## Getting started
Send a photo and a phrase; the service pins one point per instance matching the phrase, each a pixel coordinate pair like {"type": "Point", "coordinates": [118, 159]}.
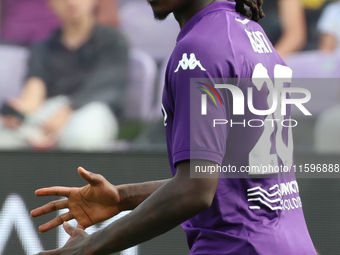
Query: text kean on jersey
{"type": "Point", "coordinates": [259, 42]}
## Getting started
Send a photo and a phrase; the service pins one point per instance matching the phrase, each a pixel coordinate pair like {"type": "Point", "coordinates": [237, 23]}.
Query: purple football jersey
{"type": "Point", "coordinates": [248, 216]}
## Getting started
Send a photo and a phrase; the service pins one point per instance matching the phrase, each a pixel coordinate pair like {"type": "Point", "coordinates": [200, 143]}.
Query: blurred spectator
{"type": "Point", "coordinates": [313, 10]}
{"type": "Point", "coordinates": [122, 2]}
{"type": "Point", "coordinates": [327, 127]}
{"type": "Point", "coordinates": [156, 38]}
{"type": "Point", "coordinates": [107, 12]}
{"type": "Point", "coordinates": [329, 27]}
{"type": "Point", "coordinates": [285, 25]}
{"type": "Point", "coordinates": [24, 22]}
{"type": "Point", "coordinates": [327, 131]}
{"type": "Point", "coordinates": [73, 78]}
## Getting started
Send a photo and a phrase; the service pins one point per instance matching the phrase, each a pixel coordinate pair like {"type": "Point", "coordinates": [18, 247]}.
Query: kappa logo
{"type": "Point", "coordinates": [190, 63]}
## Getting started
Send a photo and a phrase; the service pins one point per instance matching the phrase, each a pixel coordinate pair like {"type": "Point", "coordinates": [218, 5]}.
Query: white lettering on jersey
{"type": "Point", "coordinates": [244, 22]}
{"type": "Point", "coordinates": [259, 42]}
{"type": "Point", "coordinates": [191, 63]}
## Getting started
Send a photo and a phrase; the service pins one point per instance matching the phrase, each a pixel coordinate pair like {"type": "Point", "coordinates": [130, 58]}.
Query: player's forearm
{"type": "Point", "coordinates": [132, 195]}
{"type": "Point", "coordinates": [166, 208]}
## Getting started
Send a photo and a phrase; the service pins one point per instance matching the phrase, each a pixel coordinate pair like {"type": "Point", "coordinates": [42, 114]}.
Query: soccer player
{"type": "Point", "coordinates": [237, 216]}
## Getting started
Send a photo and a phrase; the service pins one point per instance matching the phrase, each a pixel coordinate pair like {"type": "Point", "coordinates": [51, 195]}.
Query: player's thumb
{"type": "Point", "coordinates": [91, 178]}
{"type": "Point", "coordinates": [69, 228]}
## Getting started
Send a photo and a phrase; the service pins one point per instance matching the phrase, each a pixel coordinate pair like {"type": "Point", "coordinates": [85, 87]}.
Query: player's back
{"type": "Point", "coordinates": [248, 215]}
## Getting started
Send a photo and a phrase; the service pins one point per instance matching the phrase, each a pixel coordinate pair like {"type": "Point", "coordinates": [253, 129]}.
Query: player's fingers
{"type": "Point", "coordinates": [69, 228]}
{"type": "Point", "coordinates": [57, 221]}
{"type": "Point", "coordinates": [91, 178]}
{"type": "Point", "coordinates": [50, 207]}
{"type": "Point", "coordinates": [53, 191]}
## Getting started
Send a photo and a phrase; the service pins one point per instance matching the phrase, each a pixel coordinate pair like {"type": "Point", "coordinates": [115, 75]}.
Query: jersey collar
{"type": "Point", "coordinates": [217, 6]}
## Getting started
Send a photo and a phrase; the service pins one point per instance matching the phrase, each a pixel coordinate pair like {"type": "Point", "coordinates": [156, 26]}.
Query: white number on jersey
{"type": "Point", "coordinates": [260, 154]}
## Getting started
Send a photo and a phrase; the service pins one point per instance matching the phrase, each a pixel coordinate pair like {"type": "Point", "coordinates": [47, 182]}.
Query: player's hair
{"type": "Point", "coordinates": [255, 8]}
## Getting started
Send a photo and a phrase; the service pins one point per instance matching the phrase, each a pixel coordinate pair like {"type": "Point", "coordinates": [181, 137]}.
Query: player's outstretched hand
{"type": "Point", "coordinates": [75, 245]}
{"type": "Point", "coordinates": [93, 203]}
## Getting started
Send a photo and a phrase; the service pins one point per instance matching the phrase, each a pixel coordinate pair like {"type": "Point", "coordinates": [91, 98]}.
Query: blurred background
{"type": "Point", "coordinates": [81, 84]}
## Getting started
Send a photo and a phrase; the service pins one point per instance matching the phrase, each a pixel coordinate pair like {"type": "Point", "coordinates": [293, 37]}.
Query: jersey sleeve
{"type": "Point", "coordinates": [192, 74]}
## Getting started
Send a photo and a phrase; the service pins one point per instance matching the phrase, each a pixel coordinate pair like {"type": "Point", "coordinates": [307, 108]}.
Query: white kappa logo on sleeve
{"type": "Point", "coordinates": [191, 63]}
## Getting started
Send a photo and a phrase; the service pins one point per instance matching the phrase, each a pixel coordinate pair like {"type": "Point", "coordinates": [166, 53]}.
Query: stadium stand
{"type": "Point", "coordinates": [13, 67]}
{"type": "Point", "coordinates": [144, 33]}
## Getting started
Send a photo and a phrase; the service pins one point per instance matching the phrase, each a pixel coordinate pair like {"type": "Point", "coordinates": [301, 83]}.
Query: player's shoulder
{"type": "Point", "coordinates": [205, 41]}
{"type": "Point", "coordinates": [223, 40]}
{"type": "Point", "coordinates": [220, 33]}
{"type": "Point", "coordinates": [208, 32]}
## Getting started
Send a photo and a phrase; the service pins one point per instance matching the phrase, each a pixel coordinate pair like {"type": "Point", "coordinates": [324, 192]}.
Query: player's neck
{"type": "Point", "coordinates": [185, 14]}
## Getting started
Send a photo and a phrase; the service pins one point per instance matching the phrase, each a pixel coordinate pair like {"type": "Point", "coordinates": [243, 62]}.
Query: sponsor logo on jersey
{"type": "Point", "coordinates": [275, 199]}
{"type": "Point", "coordinates": [190, 63]}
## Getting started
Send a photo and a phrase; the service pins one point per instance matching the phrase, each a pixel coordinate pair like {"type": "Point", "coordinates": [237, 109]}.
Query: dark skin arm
{"type": "Point", "coordinates": [95, 202]}
{"type": "Point", "coordinates": [177, 200]}
{"type": "Point", "coordinates": [132, 195]}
